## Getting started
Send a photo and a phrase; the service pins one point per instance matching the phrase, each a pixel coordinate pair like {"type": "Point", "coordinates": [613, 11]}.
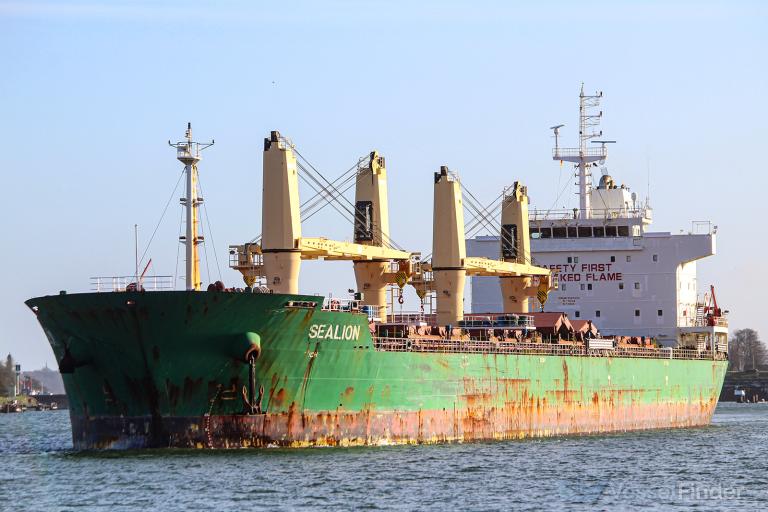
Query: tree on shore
{"type": "Point", "coordinates": [746, 351]}
{"type": "Point", "coordinates": [7, 376]}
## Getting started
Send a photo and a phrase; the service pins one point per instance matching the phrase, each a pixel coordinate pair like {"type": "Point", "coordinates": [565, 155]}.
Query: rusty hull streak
{"type": "Point", "coordinates": [529, 419]}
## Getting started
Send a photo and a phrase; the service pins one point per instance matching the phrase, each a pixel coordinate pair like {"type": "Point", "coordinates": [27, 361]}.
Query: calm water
{"type": "Point", "coordinates": [715, 468]}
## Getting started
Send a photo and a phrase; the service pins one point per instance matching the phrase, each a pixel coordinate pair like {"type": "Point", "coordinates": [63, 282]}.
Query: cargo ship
{"type": "Point", "coordinates": [264, 365]}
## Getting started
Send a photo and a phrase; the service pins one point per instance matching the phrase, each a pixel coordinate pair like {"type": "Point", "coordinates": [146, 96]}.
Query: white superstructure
{"type": "Point", "coordinates": [611, 269]}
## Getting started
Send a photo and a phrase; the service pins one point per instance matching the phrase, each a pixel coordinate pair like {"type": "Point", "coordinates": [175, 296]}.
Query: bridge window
{"type": "Point", "coordinates": [559, 232]}
{"type": "Point", "coordinates": [573, 232]}
{"type": "Point", "coordinates": [610, 230]}
{"type": "Point", "coordinates": [585, 231]}
{"type": "Point", "coordinates": [598, 231]}
{"type": "Point", "coordinates": [623, 230]}
{"type": "Point", "coordinates": [546, 232]}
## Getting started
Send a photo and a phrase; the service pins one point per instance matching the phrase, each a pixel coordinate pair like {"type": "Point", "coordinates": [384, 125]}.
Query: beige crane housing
{"type": "Point", "coordinates": [516, 247]}
{"type": "Point", "coordinates": [280, 221]}
{"type": "Point", "coordinates": [371, 228]}
{"type": "Point", "coordinates": [449, 252]}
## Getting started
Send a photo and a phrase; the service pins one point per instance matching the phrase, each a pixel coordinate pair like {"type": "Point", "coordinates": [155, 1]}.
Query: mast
{"type": "Point", "coordinates": [584, 156]}
{"type": "Point", "coordinates": [188, 152]}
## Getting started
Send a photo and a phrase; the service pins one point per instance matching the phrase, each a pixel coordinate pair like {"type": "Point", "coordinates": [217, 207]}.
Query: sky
{"type": "Point", "coordinates": [90, 93]}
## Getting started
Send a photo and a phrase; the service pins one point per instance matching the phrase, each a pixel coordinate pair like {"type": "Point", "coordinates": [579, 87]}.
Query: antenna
{"type": "Point", "coordinates": [136, 254]}
{"type": "Point", "coordinates": [648, 180]}
{"type": "Point", "coordinates": [584, 156]}
{"type": "Point", "coordinates": [557, 134]}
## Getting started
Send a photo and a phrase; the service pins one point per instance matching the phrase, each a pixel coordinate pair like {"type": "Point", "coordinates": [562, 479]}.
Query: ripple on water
{"type": "Point", "coordinates": [718, 467]}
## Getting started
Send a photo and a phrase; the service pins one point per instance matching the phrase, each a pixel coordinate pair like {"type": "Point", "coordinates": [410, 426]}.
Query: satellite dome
{"type": "Point", "coordinates": [606, 182]}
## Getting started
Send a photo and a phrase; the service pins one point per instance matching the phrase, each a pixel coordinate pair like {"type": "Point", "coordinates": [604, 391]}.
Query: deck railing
{"type": "Point", "coordinates": [718, 321]}
{"type": "Point", "coordinates": [411, 318]}
{"type": "Point", "coordinates": [128, 283]}
{"type": "Point", "coordinates": [571, 153]}
{"type": "Point", "coordinates": [352, 306]}
{"type": "Point", "coordinates": [190, 150]}
{"type": "Point", "coordinates": [498, 320]}
{"type": "Point", "coordinates": [471, 320]}
{"type": "Point", "coordinates": [595, 214]}
{"type": "Point", "coordinates": [336, 304]}
{"type": "Point", "coordinates": [386, 344]}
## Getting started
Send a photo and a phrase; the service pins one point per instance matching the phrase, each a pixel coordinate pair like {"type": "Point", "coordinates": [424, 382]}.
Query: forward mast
{"type": "Point", "coordinates": [188, 153]}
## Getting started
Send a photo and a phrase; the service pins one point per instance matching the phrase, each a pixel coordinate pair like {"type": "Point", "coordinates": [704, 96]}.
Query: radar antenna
{"type": "Point", "coordinates": [556, 129]}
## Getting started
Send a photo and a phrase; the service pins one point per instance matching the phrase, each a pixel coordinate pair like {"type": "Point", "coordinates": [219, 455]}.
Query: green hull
{"type": "Point", "coordinates": [169, 369]}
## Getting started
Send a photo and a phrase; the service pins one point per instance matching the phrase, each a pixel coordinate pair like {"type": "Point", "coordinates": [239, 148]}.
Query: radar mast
{"type": "Point", "coordinates": [584, 155]}
{"type": "Point", "coordinates": [188, 153]}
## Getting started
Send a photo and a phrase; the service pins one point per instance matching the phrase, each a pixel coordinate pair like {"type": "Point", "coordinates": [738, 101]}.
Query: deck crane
{"type": "Point", "coordinates": [444, 274]}
{"type": "Point", "coordinates": [277, 258]}
{"type": "Point", "coordinates": [711, 310]}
